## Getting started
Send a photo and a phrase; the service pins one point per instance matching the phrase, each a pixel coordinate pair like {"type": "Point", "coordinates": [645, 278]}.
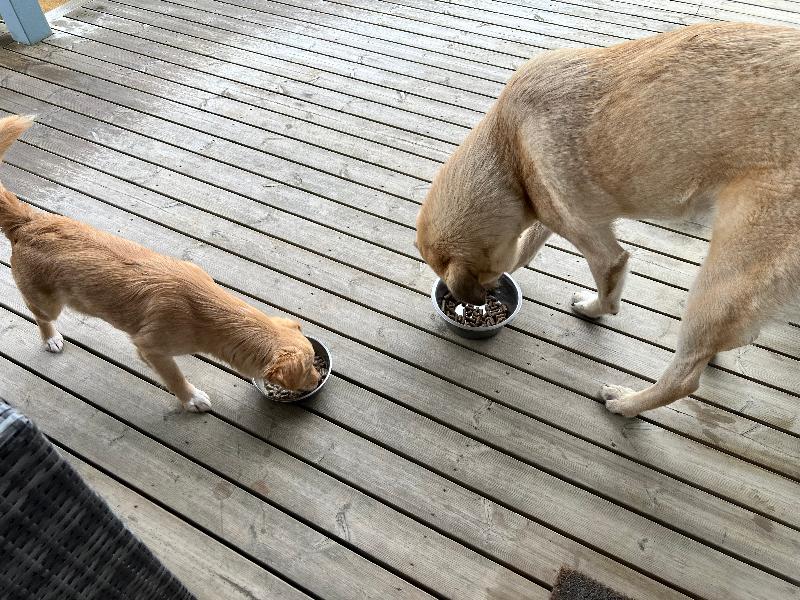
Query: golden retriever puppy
{"type": "Point", "coordinates": [703, 118]}
{"type": "Point", "coordinates": [168, 307]}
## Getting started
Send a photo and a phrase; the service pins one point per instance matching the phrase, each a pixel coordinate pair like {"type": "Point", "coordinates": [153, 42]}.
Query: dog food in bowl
{"type": "Point", "coordinates": [478, 322]}
{"type": "Point", "coordinates": [491, 313]}
{"type": "Point", "coordinates": [322, 362]}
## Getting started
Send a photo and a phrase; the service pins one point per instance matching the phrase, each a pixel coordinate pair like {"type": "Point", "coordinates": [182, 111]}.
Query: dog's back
{"type": "Point", "coordinates": [654, 125]}
{"type": "Point", "coordinates": [108, 277]}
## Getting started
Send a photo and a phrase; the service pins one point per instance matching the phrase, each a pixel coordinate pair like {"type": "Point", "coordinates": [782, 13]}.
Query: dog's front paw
{"type": "Point", "coordinates": [54, 344]}
{"type": "Point", "coordinates": [199, 402]}
{"type": "Point", "coordinates": [618, 400]}
{"type": "Point", "coordinates": [587, 304]}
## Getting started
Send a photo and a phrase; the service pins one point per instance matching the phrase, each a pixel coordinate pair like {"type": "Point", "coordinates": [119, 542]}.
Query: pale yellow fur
{"type": "Point", "coordinates": [703, 118]}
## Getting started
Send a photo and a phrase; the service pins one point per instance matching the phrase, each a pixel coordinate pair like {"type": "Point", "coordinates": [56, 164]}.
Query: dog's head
{"type": "Point", "coordinates": [469, 224]}
{"type": "Point", "coordinates": [291, 364]}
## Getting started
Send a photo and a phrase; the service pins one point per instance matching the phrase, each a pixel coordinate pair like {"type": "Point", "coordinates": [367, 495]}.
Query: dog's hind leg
{"type": "Point", "coordinates": [751, 270]}
{"type": "Point", "coordinates": [608, 262]}
{"type": "Point", "coordinates": [45, 309]}
{"type": "Point", "coordinates": [40, 300]}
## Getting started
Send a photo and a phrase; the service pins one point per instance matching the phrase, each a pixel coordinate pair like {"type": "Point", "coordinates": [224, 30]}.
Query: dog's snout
{"type": "Point", "coordinates": [474, 297]}
{"type": "Point", "coordinates": [470, 295]}
{"type": "Point", "coordinates": [468, 291]}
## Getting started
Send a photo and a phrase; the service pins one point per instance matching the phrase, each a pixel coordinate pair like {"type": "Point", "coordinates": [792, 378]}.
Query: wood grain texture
{"type": "Point", "coordinates": [709, 425]}
{"type": "Point", "coordinates": [285, 147]}
{"type": "Point", "coordinates": [227, 271]}
{"type": "Point", "coordinates": [208, 568]}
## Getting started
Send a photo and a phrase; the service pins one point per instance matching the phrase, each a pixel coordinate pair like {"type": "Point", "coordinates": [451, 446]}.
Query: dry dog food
{"type": "Point", "coordinates": [491, 313]}
{"type": "Point", "coordinates": [280, 394]}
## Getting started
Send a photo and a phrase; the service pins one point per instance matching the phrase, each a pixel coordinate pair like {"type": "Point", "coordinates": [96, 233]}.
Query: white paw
{"type": "Point", "coordinates": [54, 344]}
{"type": "Point", "coordinates": [587, 304]}
{"type": "Point", "coordinates": [618, 400]}
{"type": "Point", "coordinates": [199, 402]}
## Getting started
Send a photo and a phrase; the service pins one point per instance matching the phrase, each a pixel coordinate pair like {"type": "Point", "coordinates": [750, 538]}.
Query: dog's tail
{"type": "Point", "coordinates": [13, 213]}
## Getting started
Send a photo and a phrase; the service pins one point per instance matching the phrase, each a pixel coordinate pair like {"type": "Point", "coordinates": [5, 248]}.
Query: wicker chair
{"type": "Point", "coordinates": [58, 539]}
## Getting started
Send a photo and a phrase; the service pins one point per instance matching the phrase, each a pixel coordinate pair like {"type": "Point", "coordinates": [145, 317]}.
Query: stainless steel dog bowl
{"type": "Point", "coordinates": [507, 291]}
{"type": "Point", "coordinates": [319, 350]}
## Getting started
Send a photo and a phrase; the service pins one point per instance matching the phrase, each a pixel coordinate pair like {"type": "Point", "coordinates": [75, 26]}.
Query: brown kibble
{"type": "Point", "coordinates": [492, 313]}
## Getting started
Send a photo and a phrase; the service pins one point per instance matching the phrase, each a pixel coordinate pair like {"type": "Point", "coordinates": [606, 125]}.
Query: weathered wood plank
{"type": "Point", "coordinates": [231, 452]}
{"type": "Point", "coordinates": [403, 57]}
{"type": "Point", "coordinates": [404, 545]}
{"type": "Point", "coordinates": [426, 116]}
{"type": "Point", "coordinates": [611, 482]}
{"type": "Point", "coordinates": [436, 500]}
{"type": "Point", "coordinates": [209, 569]}
{"type": "Point", "coordinates": [569, 14]}
{"type": "Point", "coordinates": [262, 37]}
{"type": "Point", "coordinates": [467, 18]}
{"type": "Point", "coordinates": [262, 54]}
{"type": "Point", "coordinates": [207, 93]}
{"type": "Point", "coordinates": [724, 11]}
{"type": "Point", "coordinates": [251, 161]}
{"type": "Point", "coordinates": [407, 23]}
{"type": "Point", "coordinates": [451, 25]}
{"type": "Point", "coordinates": [738, 435]}
{"type": "Point", "coordinates": [226, 510]}
{"type": "Point", "coordinates": [432, 128]}
{"type": "Point", "coordinates": [682, 13]}
{"type": "Point", "coordinates": [385, 31]}
{"type": "Point", "coordinates": [576, 379]}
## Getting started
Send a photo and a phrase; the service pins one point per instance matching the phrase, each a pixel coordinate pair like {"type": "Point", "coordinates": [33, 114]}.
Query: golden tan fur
{"type": "Point", "coordinates": [168, 307]}
{"type": "Point", "coordinates": [704, 118]}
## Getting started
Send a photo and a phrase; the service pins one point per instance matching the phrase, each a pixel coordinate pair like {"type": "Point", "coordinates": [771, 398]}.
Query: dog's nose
{"type": "Point", "coordinates": [475, 297]}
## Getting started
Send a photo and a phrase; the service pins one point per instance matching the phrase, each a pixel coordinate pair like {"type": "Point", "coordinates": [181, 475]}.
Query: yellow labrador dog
{"type": "Point", "coordinates": [704, 118]}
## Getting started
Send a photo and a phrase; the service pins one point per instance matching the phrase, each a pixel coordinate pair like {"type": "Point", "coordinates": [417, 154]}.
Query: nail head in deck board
{"type": "Point", "coordinates": [208, 568]}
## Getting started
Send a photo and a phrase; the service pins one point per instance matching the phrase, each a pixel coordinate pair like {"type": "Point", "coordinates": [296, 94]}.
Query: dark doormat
{"type": "Point", "coordinates": [572, 585]}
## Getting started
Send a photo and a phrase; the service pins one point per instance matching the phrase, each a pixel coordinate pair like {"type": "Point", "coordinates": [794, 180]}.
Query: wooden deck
{"type": "Point", "coordinates": [285, 146]}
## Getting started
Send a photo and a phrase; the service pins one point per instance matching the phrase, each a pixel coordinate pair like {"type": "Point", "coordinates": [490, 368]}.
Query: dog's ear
{"type": "Point", "coordinates": [290, 323]}
{"type": "Point", "coordinates": [286, 370]}
{"type": "Point", "coordinates": [464, 285]}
